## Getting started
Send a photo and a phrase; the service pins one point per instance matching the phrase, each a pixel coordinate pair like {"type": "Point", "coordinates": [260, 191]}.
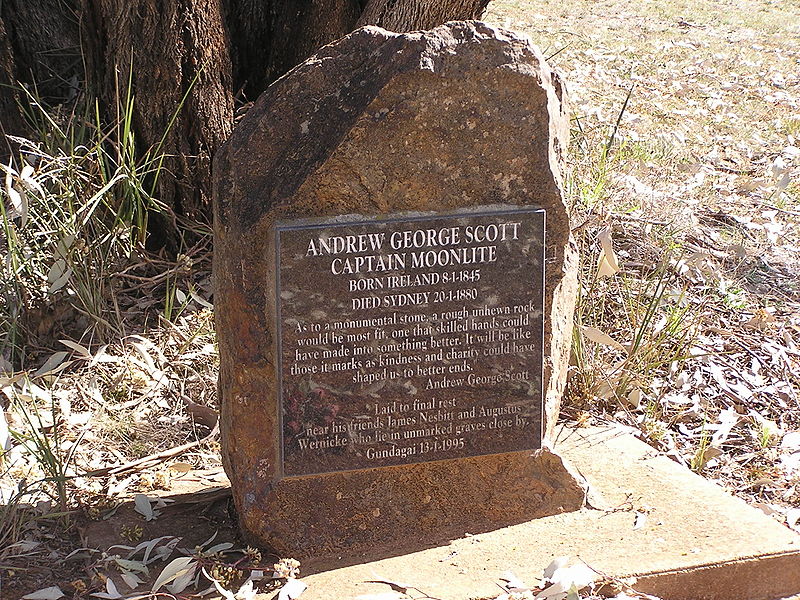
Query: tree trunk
{"type": "Point", "coordinates": [186, 61]}
{"type": "Point", "coordinates": [39, 48]}
{"type": "Point", "coordinates": [43, 37]}
{"type": "Point", "coordinates": [409, 15]}
{"type": "Point", "coordinates": [11, 122]}
{"type": "Point", "coordinates": [175, 54]}
{"type": "Point", "coordinates": [269, 38]}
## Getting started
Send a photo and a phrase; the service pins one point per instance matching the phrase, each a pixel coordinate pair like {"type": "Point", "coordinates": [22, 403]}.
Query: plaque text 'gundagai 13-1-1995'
{"type": "Point", "coordinates": [409, 338]}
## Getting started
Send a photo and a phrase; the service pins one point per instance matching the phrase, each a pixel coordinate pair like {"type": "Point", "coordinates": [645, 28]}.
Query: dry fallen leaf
{"type": "Point", "coordinates": [292, 589]}
{"type": "Point", "coordinates": [111, 592]}
{"type": "Point", "coordinates": [793, 518]}
{"type": "Point", "coordinates": [635, 397]}
{"type": "Point", "coordinates": [599, 337]}
{"type": "Point", "coordinates": [143, 507]}
{"type": "Point", "coordinates": [514, 583]}
{"type": "Point", "coordinates": [566, 579]}
{"type": "Point", "coordinates": [175, 569]}
{"type": "Point", "coordinates": [49, 593]}
{"type": "Point", "coordinates": [607, 264]}
{"type": "Point", "coordinates": [55, 362]}
{"type": "Point", "coordinates": [180, 467]}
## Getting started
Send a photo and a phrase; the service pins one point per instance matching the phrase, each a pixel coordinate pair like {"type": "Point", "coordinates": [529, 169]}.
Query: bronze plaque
{"type": "Point", "coordinates": [409, 338]}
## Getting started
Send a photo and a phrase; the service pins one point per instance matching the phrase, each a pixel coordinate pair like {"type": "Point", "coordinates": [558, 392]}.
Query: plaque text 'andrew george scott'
{"type": "Point", "coordinates": [409, 339]}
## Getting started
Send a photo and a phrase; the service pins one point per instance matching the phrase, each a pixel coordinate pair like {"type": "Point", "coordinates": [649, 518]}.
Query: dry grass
{"type": "Point", "coordinates": [700, 188]}
{"type": "Point", "coordinates": [107, 351]}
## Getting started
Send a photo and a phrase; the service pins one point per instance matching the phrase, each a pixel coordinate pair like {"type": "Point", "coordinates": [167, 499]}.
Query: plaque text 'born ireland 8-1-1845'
{"type": "Point", "coordinates": [409, 338]}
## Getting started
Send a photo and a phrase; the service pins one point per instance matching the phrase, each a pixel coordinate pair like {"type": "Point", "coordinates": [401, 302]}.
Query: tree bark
{"type": "Point", "coordinates": [43, 37]}
{"type": "Point", "coordinates": [186, 61]}
{"type": "Point", "coordinates": [175, 53]}
{"type": "Point", "coordinates": [11, 122]}
{"type": "Point", "coordinates": [409, 15]}
{"type": "Point", "coordinates": [269, 38]}
{"type": "Point", "coordinates": [39, 48]}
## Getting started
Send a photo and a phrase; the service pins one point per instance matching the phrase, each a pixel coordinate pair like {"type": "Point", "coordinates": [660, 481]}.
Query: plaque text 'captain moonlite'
{"type": "Point", "coordinates": [409, 338]}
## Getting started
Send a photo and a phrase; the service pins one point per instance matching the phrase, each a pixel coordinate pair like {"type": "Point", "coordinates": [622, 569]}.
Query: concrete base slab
{"type": "Point", "coordinates": [696, 542]}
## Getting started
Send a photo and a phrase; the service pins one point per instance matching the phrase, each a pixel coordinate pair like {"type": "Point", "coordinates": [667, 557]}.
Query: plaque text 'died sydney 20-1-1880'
{"type": "Point", "coordinates": [409, 338]}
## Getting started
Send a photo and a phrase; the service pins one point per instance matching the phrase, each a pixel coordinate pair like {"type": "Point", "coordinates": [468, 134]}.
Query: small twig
{"type": "Point", "coordinates": [794, 213]}
{"type": "Point", "coordinates": [557, 52]}
{"type": "Point", "coordinates": [155, 278]}
{"type": "Point", "coordinates": [143, 463]}
{"type": "Point", "coordinates": [638, 219]}
{"type": "Point", "coordinates": [403, 589]}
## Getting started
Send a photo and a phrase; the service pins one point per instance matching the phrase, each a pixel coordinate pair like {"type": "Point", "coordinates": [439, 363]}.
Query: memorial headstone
{"type": "Point", "coordinates": [394, 287]}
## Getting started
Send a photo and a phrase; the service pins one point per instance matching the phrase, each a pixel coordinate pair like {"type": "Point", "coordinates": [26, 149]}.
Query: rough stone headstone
{"type": "Point", "coordinates": [394, 287]}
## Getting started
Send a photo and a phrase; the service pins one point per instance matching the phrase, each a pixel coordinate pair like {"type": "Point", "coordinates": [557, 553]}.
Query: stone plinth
{"type": "Point", "coordinates": [697, 543]}
{"type": "Point", "coordinates": [458, 131]}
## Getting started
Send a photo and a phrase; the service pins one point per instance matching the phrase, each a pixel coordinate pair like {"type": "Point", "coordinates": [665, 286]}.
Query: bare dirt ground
{"type": "Point", "coordinates": [684, 177]}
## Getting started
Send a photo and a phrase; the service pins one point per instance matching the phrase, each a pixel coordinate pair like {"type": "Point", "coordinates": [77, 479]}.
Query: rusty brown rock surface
{"type": "Point", "coordinates": [462, 115]}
